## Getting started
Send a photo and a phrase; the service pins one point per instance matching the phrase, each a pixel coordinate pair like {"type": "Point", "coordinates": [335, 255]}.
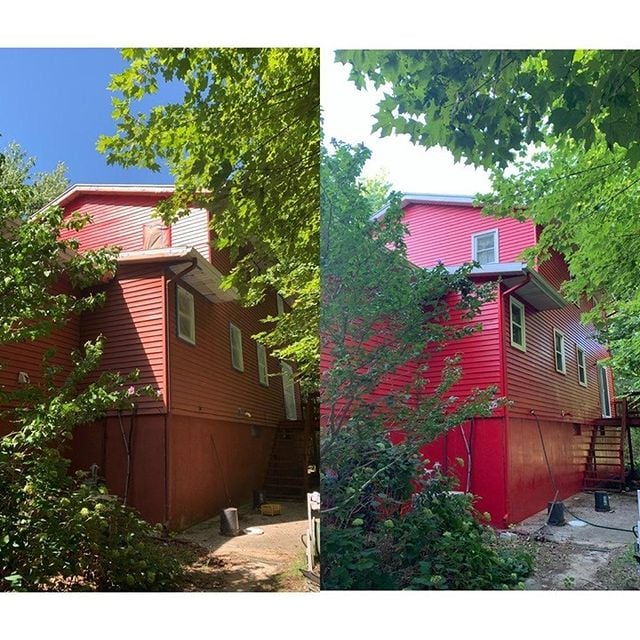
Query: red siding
{"type": "Point", "coordinates": [203, 382]}
{"type": "Point", "coordinates": [532, 379]}
{"type": "Point", "coordinates": [118, 220]}
{"type": "Point", "coordinates": [132, 322]}
{"type": "Point", "coordinates": [442, 233]}
{"type": "Point", "coordinates": [214, 464]}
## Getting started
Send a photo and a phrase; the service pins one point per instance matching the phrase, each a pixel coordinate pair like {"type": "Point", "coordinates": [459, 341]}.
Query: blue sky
{"type": "Point", "coordinates": [55, 104]}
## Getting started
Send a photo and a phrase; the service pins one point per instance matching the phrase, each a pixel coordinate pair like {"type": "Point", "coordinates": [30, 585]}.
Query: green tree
{"type": "Point", "coordinates": [387, 520]}
{"type": "Point", "coordinates": [56, 530]}
{"type": "Point", "coordinates": [566, 124]}
{"type": "Point", "coordinates": [485, 106]}
{"type": "Point", "coordinates": [17, 171]}
{"type": "Point", "coordinates": [244, 143]}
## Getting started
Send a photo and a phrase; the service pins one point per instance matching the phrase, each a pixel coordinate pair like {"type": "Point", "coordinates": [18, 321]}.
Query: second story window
{"type": "Point", "coordinates": [582, 366]}
{"type": "Point", "coordinates": [518, 338]}
{"type": "Point", "coordinates": [186, 317]}
{"type": "Point", "coordinates": [289, 392]}
{"type": "Point", "coordinates": [235, 337]}
{"type": "Point", "coordinates": [485, 247]}
{"type": "Point", "coordinates": [263, 372]}
{"type": "Point", "coordinates": [558, 343]}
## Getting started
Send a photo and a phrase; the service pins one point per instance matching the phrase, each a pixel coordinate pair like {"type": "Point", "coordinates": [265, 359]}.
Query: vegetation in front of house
{"type": "Point", "coordinates": [57, 531]}
{"type": "Point", "coordinates": [394, 524]}
{"type": "Point", "coordinates": [388, 520]}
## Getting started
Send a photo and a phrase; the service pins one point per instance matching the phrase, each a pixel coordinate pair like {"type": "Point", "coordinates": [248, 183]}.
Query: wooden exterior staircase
{"type": "Point", "coordinates": [605, 465]}
{"type": "Point", "coordinates": [295, 449]}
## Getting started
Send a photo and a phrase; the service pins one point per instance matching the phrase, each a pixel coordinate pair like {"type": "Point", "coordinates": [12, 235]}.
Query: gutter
{"type": "Point", "coordinates": [503, 382]}
{"type": "Point", "coordinates": [167, 382]}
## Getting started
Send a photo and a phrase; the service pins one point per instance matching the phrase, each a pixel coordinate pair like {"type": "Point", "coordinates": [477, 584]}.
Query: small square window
{"type": "Point", "coordinates": [235, 337]}
{"type": "Point", "coordinates": [558, 342]}
{"type": "Point", "coordinates": [582, 366]}
{"type": "Point", "coordinates": [263, 372]}
{"type": "Point", "coordinates": [485, 247]}
{"type": "Point", "coordinates": [518, 337]}
{"type": "Point", "coordinates": [185, 315]}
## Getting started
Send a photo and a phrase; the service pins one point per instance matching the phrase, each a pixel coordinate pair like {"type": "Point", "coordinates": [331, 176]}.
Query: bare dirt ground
{"type": "Point", "coordinates": [581, 556]}
{"type": "Point", "coordinates": [269, 562]}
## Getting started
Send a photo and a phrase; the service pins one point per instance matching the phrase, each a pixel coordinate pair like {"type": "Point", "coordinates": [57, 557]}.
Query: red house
{"type": "Point", "coordinates": [532, 347]}
{"type": "Point", "coordinates": [224, 408]}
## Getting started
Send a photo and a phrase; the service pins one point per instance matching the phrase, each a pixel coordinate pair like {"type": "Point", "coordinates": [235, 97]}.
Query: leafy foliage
{"type": "Point", "coordinates": [243, 143]}
{"type": "Point", "coordinates": [578, 178]}
{"type": "Point", "coordinates": [485, 105]}
{"type": "Point", "coordinates": [387, 522]}
{"type": "Point", "coordinates": [56, 531]}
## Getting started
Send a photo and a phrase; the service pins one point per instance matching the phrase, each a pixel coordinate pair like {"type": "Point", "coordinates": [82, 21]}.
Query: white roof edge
{"type": "Point", "coordinates": [430, 198]}
{"type": "Point", "coordinates": [158, 255]}
{"type": "Point", "coordinates": [110, 188]}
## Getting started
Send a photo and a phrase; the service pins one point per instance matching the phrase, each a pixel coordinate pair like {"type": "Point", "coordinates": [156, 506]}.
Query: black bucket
{"type": "Point", "coordinates": [229, 522]}
{"type": "Point", "coordinates": [258, 499]}
{"type": "Point", "coordinates": [556, 514]}
{"type": "Point", "coordinates": [602, 501]}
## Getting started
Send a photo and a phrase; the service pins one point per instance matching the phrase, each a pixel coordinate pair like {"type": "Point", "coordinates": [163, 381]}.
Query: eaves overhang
{"type": "Point", "coordinates": [205, 278]}
{"type": "Point", "coordinates": [428, 198]}
{"type": "Point", "coordinates": [535, 290]}
{"type": "Point", "coordinates": [116, 189]}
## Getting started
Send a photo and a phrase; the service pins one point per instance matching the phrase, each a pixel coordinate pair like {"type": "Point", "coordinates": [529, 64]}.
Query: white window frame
{"type": "Point", "coordinates": [182, 296]}
{"type": "Point", "coordinates": [563, 352]}
{"type": "Point", "coordinates": [288, 392]}
{"type": "Point", "coordinates": [582, 365]}
{"type": "Point", "coordinates": [513, 302]}
{"type": "Point", "coordinates": [603, 389]}
{"type": "Point", "coordinates": [496, 248]}
{"type": "Point", "coordinates": [263, 370]}
{"type": "Point", "coordinates": [235, 343]}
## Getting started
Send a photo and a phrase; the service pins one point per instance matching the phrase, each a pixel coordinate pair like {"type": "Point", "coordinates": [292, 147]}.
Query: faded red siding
{"type": "Point", "coordinates": [118, 220]}
{"type": "Point", "coordinates": [442, 233]}
{"type": "Point", "coordinates": [214, 464]}
{"type": "Point", "coordinates": [132, 322]}
{"type": "Point", "coordinates": [203, 382]}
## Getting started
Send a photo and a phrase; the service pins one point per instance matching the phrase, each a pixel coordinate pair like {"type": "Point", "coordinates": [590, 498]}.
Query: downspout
{"type": "Point", "coordinates": [167, 383]}
{"type": "Point", "coordinates": [503, 382]}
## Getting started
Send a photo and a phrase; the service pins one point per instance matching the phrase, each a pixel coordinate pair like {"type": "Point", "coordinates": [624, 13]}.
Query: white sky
{"type": "Point", "coordinates": [348, 116]}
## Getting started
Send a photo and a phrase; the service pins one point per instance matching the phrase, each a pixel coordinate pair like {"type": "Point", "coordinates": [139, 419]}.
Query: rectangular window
{"type": "Point", "coordinates": [235, 336]}
{"type": "Point", "coordinates": [186, 317]}
{"type": "Point", "coordinates": [289, 392]}
{"type": "Point", "coordinates": [605, 399]}
{"type": "Point", "coordinates": [518, 338]}
{"type": "Point", "coordinates": [582, 366]}
{"type": "Point", "coordinates": [485, 247]}
{"type": "Point", "coordinates": [558, 342]}
{"type": "Point", "coordinates": [263, 373]}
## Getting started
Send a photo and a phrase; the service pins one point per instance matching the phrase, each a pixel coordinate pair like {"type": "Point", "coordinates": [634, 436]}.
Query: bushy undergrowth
{"type": "Point", "coordinates": [61, 532]}
{"type": "Point", "coordinates": [389, 524]}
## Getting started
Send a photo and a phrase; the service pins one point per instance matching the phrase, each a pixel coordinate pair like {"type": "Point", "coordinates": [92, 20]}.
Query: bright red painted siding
{"type": "Point", "coordinates": [442, 233]}
{"type": "Point", "coordinates": [132, 322]}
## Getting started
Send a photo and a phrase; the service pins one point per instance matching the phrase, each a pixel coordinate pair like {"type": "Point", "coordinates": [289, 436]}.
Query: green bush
{"type": "Point", "coordinates": [391, 524]}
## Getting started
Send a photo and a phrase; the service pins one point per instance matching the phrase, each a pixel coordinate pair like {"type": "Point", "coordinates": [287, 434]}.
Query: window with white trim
{"type": "Point", "coordinates": [185, 315]}
{"type": "Point", "coordinates": [485, 247]}
{"type": "Point", "coordinates": [582, 366]}
{"type": "Point", "coordinates": [605, 398]}
{"type": "Point", "coordinates": [289, 392]}
{"type": "Point", "coordinates": [518, 336]}
{"type": "Point", "coordinates": [559, 351]}
{"type": "Point", "coordinates": [263, 372]}
{"type": "Point", "coordinates": [235, 337]}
